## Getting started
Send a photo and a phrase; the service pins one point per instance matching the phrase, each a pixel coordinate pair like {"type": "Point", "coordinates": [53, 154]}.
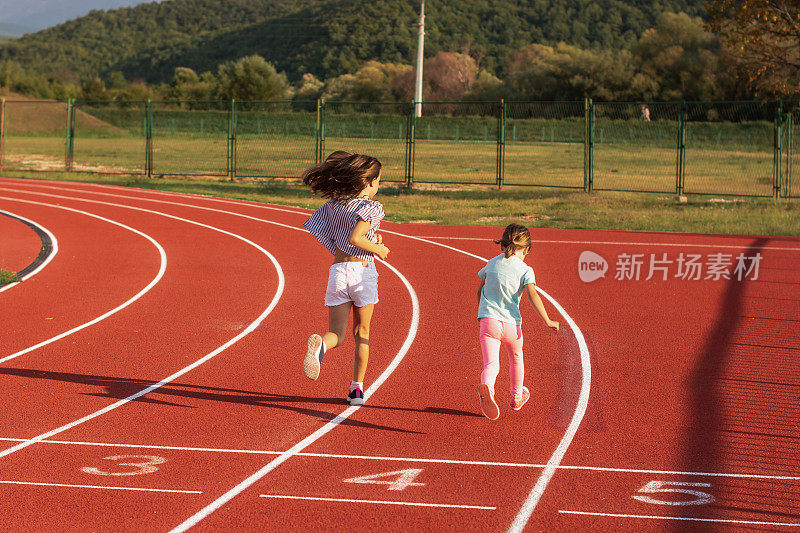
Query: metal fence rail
{"type": "Point", "coordinates": [725, 148]}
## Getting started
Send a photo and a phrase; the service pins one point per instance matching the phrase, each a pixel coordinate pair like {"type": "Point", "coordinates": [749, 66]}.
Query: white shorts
{"type": "Point", "coordinates": [352, 282]}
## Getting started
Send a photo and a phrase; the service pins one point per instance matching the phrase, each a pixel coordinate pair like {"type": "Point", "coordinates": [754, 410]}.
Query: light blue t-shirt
{"type": "Point", "coordinates": [505, 280]}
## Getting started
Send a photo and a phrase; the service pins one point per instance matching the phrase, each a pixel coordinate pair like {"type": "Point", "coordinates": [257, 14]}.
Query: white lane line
{"type": "Point", "coordinates": [64, 485]}
{"type": "Point", "coordinates": [187, 196]}
{"type": "Point", "coordinates": [580, 410]}
{"type": "Point", "coordinates": [683, 518]}
{"type": "Point", "coordinates": [384, 502]}
{"type": "Point", "coordinates": [303, 444]}
{"type": "Point", "coordinates": [415, 460]}
{"type": "Point", "coordinates": [145, 290]}
{"type": "Point", "coordinates": [184, 370]}
{"type": "Point", "coordinates": [45, 262]}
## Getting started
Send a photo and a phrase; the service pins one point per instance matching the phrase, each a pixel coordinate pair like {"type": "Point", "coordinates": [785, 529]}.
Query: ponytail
{"type": "Point", "coordinates": [515, 237]}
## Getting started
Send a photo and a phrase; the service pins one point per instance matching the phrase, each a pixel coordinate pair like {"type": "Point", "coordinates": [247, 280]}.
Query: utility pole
{"type": "Point", "coordinates": [420, 46]}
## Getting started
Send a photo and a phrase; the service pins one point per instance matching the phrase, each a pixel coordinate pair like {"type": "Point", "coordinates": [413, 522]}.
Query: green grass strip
{"type": "Point", "coordinates": [488, 206]}
{"type": "Point", "coordinates": [7, 277]}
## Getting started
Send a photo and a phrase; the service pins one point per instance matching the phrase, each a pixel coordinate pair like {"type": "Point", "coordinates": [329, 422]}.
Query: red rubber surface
{"type": "Point", "coordinates": [20, 244]}
{"type": "Point", "coordinates": [694, 384]}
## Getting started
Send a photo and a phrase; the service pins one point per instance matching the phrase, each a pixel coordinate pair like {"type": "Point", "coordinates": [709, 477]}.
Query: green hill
{"type": "Point", "coordinates": [324, 37]}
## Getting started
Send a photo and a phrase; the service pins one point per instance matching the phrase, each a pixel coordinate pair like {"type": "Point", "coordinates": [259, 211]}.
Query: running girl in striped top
{"type": "Point", "coordinates": [346, 226]}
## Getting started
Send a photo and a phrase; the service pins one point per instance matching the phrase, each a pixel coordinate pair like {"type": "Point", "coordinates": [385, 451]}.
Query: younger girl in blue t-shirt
{"type": "Point", "coordinates": [503, 280]}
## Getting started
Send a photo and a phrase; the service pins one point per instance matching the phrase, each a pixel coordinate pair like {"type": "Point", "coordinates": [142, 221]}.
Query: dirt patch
{"type": "Point", "coordinates": [521, 217]}
{"type": "Point", "coordinates": [53, 164]}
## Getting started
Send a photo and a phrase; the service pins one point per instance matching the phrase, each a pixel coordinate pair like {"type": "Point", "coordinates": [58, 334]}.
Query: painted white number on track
{"type": "Point", "coordinates": [142, 464]}
{"type": "Point", "coordinates": [404, 478]}
{"type": "Point", "coordinates": [659, 487]}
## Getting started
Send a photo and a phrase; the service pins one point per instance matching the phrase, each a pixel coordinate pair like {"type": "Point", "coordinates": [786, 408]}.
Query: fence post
{"type": "Point", "coordinates": [680, 172]}
{"type": "Point", "coordinates": [787, 179]}
{"type": "Point", "coordinates": [232, 140]}
{"type": "Point", "coordinates": [2, 131]}
{"type": "Point", "coordinates": [148, 134]}
{"type": "Point", "coordinates": [410, 144]}
{"type": "Point", "coordinates": [70, 155]}
{"type": "Point", "coordinates": [501, 143]}
{"type": "Point", "coordinates": [777, 157]}
{"type": "Point", "coordinates": [588, 145]}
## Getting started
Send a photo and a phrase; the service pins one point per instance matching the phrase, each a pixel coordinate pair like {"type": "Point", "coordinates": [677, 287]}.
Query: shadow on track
{"type": "Point", "coordinates": [119, 388]}
{"type": "Point", "coordinates": [705, 442]}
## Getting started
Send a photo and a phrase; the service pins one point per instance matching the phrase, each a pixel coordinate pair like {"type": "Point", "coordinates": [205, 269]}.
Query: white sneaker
{"type": "Point", "coordinates": [314, 355]}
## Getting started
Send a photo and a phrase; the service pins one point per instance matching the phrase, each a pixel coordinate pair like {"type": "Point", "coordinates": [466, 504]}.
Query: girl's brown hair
{"type": "Point", "coordinates": [515, 237]}
{"type": "Point", "coordinates": [342, 175]}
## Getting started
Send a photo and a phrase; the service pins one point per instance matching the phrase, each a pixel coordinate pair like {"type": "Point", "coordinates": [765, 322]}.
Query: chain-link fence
{"type": "Point", "coordinates": [456, 143]}
{"type": "Point", "coordinates": [33, 134]}
{"type": "Point", "coordinates": [106, 138]}
{"type": "Point", "coordinates": [730, 148]}
{"type": "Point", "coordinates": [377, 129]}
{"type": "Point", "coordinates": [273, 141]}
{"type": "Point", "coordinates": [544, 144]}
{"type": "Point", "coordinates": [635, 146]}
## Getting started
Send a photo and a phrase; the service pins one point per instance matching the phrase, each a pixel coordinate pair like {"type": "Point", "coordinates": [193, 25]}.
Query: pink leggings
{"type": "Point", "coordinates": [493, 334]}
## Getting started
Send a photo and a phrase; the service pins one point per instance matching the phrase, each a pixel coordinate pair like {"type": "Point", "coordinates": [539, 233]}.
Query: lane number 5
{"type": "Point", "coordinates": [680, 487]}
{"type": "Point", "coordinates": [141, 464]}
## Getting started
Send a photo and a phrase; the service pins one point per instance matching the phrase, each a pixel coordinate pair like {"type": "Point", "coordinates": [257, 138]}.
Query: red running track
{"type": "Point", "coordinates": [683, 396]}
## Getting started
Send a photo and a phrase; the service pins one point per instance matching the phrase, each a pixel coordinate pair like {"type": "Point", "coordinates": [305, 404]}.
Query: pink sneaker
{"type": "Point", "coordinates": [516, 404]}
{"type": "Point", "coordinates": [489, 407]}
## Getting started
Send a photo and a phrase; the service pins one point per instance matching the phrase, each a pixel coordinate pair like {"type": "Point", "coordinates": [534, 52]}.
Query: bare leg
{"type": "Point", "coordinates": [362, 316]}
{"type": "Point", "coordinates": [338, 316]}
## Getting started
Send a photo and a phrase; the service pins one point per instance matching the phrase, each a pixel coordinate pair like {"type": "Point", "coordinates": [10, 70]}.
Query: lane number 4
{"type": "Point", "coordinates": [400, 479]}
{"type": "Point", "coordinates": [139, 464]}
{"type": "Point", "coordinates": [680, 487]}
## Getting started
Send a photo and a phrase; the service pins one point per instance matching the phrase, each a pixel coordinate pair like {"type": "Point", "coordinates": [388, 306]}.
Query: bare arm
{"type": "Point", "coordinates": [358, 237]}
{"type": "Point", "coordinates": [480, 290]}
{"type": "Point", "coordinates": [536, 302]}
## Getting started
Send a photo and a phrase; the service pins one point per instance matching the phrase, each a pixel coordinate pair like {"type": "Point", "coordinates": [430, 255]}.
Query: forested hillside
{"type": "Point", "coordinates": [326, 38]}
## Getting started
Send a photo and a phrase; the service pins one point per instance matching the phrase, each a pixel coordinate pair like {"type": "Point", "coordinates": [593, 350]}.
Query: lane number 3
{"type": "Point", "coordinates": [139, 464]}
{"type": "Point", "coordinates": [680, 487]}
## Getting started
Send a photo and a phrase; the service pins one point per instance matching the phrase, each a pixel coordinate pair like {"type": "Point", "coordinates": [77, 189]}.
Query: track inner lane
{"type": "Point", "coordinates": [145, 290]}
{"type": "Point", "coordinates": [253, 325]}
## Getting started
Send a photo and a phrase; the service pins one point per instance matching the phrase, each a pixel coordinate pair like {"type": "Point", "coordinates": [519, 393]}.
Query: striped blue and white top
{"type": "Point", "coordinates": [333, 222]}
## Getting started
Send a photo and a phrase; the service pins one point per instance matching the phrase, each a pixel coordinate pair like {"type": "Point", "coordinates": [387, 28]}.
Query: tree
{"type": "Point", "coordinates": [251, 78]}
{"type": "Point", "coordinates": [447, 77]}
{"type": "Point", "coordinates": [487, 88]}
{"type": "Point", "coordinates": [679, 60]}
{"type": "Point", "coordinates": [310, 88]}
{"type": "Point", "coordinates": [94, 89]}
{"type": "Point", "coordinates": [762, 37]}
{"type": "Point", "coordinates": [374, 82]}
{"type": "Point", "coordinates": [566, 72]}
